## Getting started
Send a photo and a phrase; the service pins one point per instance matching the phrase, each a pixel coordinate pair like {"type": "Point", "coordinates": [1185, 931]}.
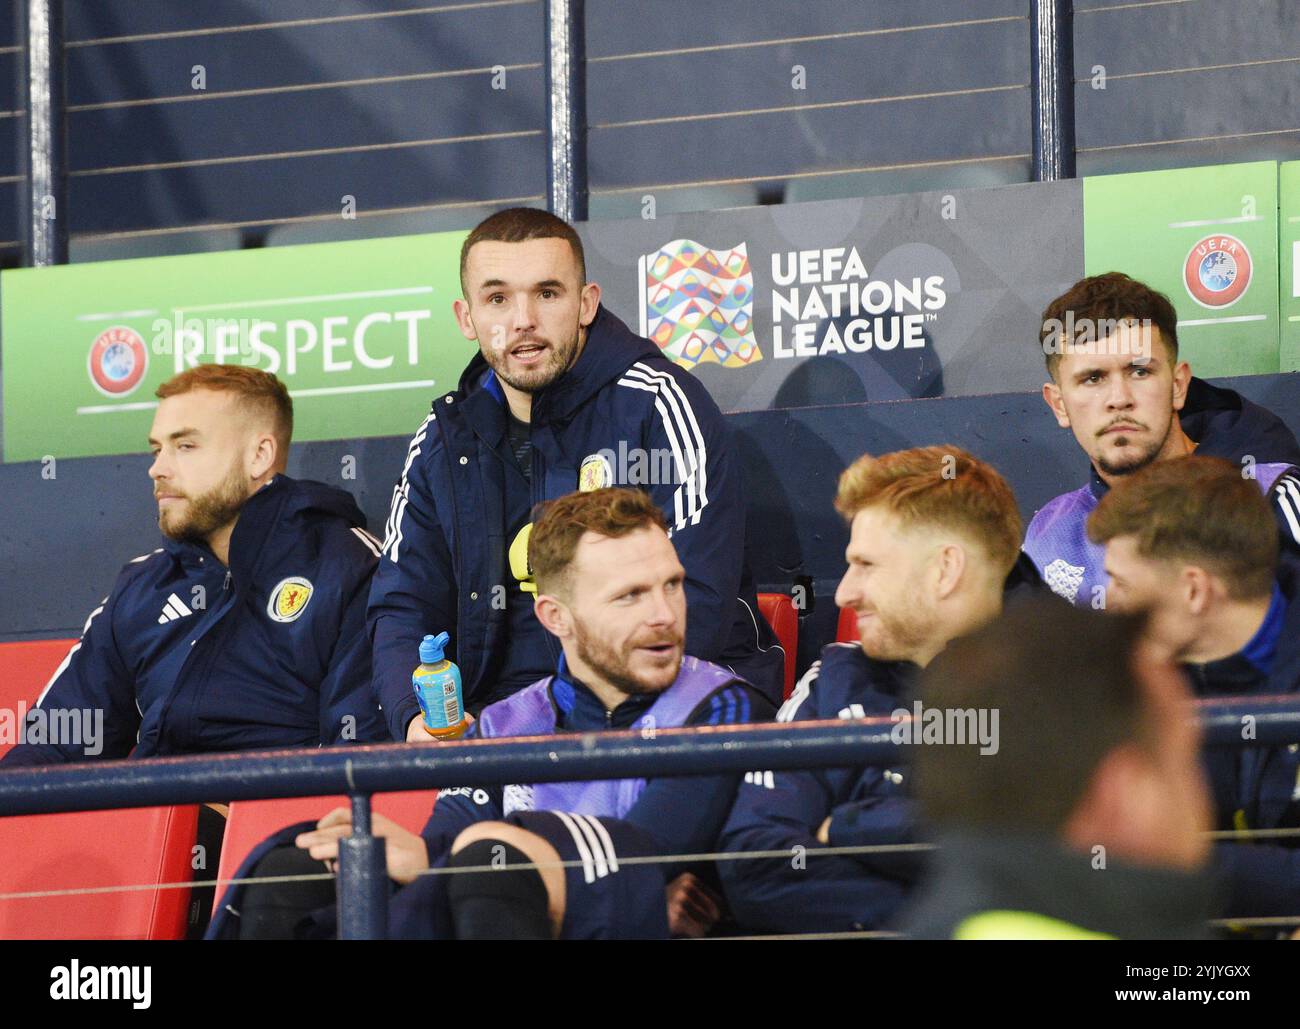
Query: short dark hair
{"type": "Point", "coordinates": [1110, 297]}
{"type": "Point", "coordinates": [519, 225]}
{"type": "Point", "coordinates": [1197, 509]}
{"type": "Point", "coordinates": [1062, 681]}
{"type": "Point", "coordinates": [559, 524]}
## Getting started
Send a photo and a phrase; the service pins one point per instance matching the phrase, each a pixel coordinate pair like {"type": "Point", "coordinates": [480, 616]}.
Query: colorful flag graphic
{"type": "Point", "coordinates": [697, 304]}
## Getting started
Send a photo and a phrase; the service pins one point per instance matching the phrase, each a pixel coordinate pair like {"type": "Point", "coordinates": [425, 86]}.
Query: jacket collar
{"type": "Point", "coordinates": [1269, 661]}
{"type": "Point", "coordinates": [262, 516]}
{"type": "Point", "coordinates": [256, 521]}
{"type": "Point", "coordinates": [1262, 647]}
{"type": "Point", "coordinates": [1096, 484]}
{"type": "Point", "coordinates": [578, 709]}
{"type": "Point", "coordinates": [892, 678]}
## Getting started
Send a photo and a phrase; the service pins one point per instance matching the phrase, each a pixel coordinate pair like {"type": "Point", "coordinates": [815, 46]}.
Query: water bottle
{"type": "Point", "coordinates": [437, 687]}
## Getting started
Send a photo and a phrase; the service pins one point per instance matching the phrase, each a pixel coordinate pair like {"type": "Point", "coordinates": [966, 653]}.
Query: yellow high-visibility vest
{"type": "Point", "coordinates": [1021, 925]}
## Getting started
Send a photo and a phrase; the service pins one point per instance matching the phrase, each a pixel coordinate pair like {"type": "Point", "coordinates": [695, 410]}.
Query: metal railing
{"type": "Point", "coordinates": [361, 771]}
{"type": "Point", "coordinates": [46, 224]}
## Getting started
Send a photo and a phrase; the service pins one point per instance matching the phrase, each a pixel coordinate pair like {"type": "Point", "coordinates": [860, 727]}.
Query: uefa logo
{"type": "Point", "coordinates": [118, 361]}
{"type": "Point", "coordinates": [1217, 271]}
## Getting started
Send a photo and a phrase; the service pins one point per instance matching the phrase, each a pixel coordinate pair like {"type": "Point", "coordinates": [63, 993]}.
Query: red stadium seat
{"type": "Point", "coordinates": [847, 630]}
{"type": "Point", "coordinates": [25, 668]}
{"type": "Point", "coordinates": [252, 821]}
{"type": "Point", "coordinates": [779, 611]}
{"type": "Point", "coordinates": [89, 849]}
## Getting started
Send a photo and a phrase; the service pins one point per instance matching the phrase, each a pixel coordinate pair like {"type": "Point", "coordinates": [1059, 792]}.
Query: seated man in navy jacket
{"type": "Point", "coordinates": [612, 592]}
{"type": "Point", "coordinates": [561, 396]}
{"type": "Point", "coordinates": [246, 629]}
{"type": "Point", "coordinates": [1111, 346]}
{"type": "Point", "coordinates": [1195, 544]}
{"type": "Point", "coordinates": [934, 546]}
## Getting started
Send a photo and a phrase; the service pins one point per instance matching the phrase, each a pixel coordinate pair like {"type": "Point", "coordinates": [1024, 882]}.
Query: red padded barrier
{"type": "Point", "coordinates": [779, 611]}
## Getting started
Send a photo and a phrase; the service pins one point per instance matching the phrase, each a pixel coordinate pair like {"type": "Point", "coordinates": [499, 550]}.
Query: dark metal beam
{"type": "Point", "coordinates": [363, 879]}
{"type": "Point", "coordinates": [604, 755]}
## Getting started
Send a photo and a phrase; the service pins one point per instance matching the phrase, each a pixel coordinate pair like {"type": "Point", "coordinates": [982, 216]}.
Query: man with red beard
{"type": "Point", "coordinates": [246, 630]}
{"type": "Point", "coordinates": [933, 552]}
{"type": "Point", "coordinates": [611, 590]}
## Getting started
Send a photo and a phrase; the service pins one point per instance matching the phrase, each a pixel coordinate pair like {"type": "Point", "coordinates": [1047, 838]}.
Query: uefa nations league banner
{"type": "Point", "coordinates": [844, 301]}
{"type": "Point", "coordinates": [361, 332]}
{"type": "Point", "coordinates": [942, 293]}
{"type": "Point", "coordinates": [832, 302]}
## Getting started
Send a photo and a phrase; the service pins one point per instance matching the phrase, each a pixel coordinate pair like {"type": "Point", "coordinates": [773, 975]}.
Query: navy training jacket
{"type": "Point", "coordinates": [782, 811]}
{"type": "Point", "coordinates": [868, 805]}
{"type": "Point", "coordinates": [1224, 424]}
{"type": "Point", "coordinates": [1258, 787]}
{"type": "Point", "coordinates": [186, 656]}
{"type": "Point", "coordinates": [445, 549]}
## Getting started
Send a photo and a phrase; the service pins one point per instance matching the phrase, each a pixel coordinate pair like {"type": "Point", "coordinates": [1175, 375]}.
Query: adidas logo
{"type": "Point", "coordinates": [173, 609]}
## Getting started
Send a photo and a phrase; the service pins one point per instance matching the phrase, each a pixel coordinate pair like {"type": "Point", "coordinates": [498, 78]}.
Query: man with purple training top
{"type": "Point", "coordinates": [611, 590]}
{"type": "Point", "coordinates": [1111, 346]}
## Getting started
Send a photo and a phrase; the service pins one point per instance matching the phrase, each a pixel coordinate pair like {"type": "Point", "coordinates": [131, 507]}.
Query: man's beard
{"type": "Point", "coordinates": [901, 634]}
{"type": "Point", "coordinates": [612, 666]}
{"type": "Point", "coordinates": [533, 380]}
{"type": "Point", "coordinates": [1134, 458]}
{"type": "Point", "coordinates": [209, 511]}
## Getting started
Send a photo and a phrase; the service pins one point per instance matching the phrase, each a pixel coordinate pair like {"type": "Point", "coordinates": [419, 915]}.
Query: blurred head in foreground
{"type": "Point", "coordinates": [1092, 811]}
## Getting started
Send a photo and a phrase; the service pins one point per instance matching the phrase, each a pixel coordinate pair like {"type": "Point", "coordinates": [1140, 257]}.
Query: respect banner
{"type": "Point", "coordinates": [1206, 237]}
{"type": "Point", "coordinates": [361, 332]}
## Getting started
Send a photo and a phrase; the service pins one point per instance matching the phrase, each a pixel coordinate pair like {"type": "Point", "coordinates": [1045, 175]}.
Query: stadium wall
{"type": "Point", "coordinates": [62, 540]}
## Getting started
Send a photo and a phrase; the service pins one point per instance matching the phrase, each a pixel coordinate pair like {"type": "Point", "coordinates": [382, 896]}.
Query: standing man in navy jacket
{"type": "Point", "coordinates": [247, 629]}
{"type": "Point", "coordinates": [933, 547]}
{"type": "Point", "coordinates": [561, 396]}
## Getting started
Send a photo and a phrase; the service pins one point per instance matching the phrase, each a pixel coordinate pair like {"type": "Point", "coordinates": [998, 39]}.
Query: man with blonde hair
{"type": "Point", "coordinates": [246, 629]}
{"type": "Point", "coordinates": [933, 548]}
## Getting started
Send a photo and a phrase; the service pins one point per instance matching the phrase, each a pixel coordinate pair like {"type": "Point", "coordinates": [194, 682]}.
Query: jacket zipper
{"type": "Point", "coordinates": [535, 458]}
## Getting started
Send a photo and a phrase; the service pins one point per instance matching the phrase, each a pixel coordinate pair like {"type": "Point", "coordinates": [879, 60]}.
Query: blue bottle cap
{"type": "Point", "coordinates": [431, 648]}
